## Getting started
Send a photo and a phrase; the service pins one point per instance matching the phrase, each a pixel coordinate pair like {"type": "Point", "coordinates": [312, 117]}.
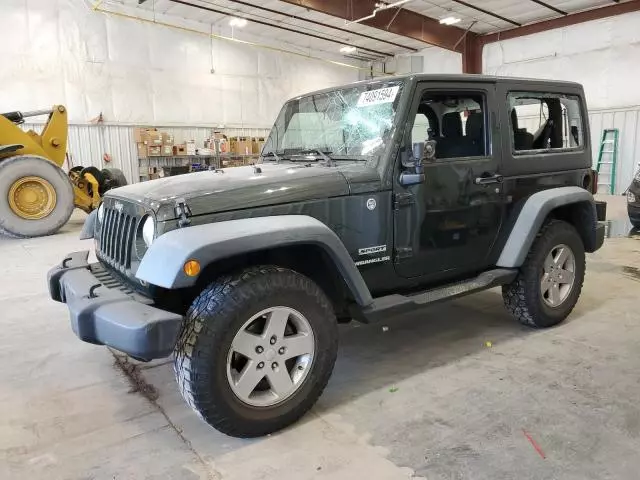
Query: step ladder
{"type": "Point", "coordinates": [608, 156]}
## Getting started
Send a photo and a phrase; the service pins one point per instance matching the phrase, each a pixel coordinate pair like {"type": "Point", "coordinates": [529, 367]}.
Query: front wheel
{"type": "Point", "coordinates": [256, 350]}
{"type": "Point", "coordinates": [550, 281]}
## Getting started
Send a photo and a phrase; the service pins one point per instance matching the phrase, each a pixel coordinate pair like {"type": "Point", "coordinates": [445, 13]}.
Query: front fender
{"type": "Point", "coordinates": [530, 219]}
{"type": "Point", "coordinates": [89, 226]}
{"type": "Point", "coordinates": [162, 264]}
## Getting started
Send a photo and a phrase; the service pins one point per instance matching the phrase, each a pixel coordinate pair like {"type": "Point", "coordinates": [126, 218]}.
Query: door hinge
{"type": "Point", "coordinates": [402, 199]}
{"type": "Point", "coordinates": [403, 252]}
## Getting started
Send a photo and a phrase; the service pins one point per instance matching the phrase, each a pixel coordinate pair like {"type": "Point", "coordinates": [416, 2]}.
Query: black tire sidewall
{"type": "Point", "coordinates": [557, 234]}
{"type": "Point", "coordinates": [18, 167]}
{"type": "Point", "coordinates": [259, 293]}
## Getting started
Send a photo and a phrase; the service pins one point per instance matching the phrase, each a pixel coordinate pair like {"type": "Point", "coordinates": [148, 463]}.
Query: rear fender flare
{"type": "Point", "coordinates": [533, 214]}
{"type": "Point", "coordinates": [163, 263]}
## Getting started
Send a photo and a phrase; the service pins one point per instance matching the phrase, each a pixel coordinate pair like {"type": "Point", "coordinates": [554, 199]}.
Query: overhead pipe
{"type": "Point", "coordinates": [322, 24]}
{"type": "Point", "coordinates": [380, 7]}
{"type": "Point", "coordinates": [260, 22]}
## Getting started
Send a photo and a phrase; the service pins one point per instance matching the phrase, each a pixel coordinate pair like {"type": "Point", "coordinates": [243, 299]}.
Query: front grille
{"type": "Point", "coordinates": [117, 232]}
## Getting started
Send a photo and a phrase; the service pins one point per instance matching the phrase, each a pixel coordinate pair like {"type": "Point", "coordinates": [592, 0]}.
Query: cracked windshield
{"type": "Point", "coordinates": [352, 123]}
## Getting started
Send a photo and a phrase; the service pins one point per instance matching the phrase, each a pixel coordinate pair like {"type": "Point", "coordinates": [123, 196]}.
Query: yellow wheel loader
{"type": "Point", "coordinates": [36, 196]}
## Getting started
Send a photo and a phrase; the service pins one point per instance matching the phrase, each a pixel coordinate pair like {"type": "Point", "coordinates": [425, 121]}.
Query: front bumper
{"type": "Point", "coordinates": [108, 315]}
{"type": "Point", "coordinates": [633, 209]}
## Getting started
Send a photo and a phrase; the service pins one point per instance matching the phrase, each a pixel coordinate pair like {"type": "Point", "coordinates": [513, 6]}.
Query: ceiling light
{"type": "Point", "coordinates": [348, 49]}
{"type": "Point", "coordinates": [449, 20]}
{"type": "Point", "coordinates": [237, 22]}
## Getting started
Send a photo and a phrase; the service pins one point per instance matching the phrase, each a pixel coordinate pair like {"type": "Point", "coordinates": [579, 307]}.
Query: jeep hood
{"type": "Point", "coordinates": [246, 187]}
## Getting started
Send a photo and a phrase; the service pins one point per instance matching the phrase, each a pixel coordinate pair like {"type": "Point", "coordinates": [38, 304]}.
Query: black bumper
{"type": "Point", "coordinates": [109, 316]}
{"type": "Point", "coordinates": [634, 212]}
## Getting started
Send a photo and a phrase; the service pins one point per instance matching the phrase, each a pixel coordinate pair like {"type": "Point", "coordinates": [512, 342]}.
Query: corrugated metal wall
{"type": "Point", "coordinates": [627, 121]}
{"type": "Point", "coordinates": [87, 144]}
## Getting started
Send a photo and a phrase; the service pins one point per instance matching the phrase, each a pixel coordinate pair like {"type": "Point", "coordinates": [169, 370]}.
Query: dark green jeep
{"type": "Point", "coordinates": [371, 200]}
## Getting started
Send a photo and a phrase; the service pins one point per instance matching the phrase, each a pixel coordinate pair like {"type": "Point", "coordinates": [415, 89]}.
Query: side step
{"type": "Point", "coordinates": [383, 307]}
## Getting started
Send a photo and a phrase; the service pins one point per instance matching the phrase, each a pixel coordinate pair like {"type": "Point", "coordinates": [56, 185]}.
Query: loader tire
{"type": "Point", "coordinates": [113, 178]}
{"type": "Point", "coordinates": [36, 197]}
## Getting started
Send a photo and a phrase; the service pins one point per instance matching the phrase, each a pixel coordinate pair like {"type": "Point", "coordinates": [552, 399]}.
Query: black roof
{"type": "Point", "coordinates": [451, 77]}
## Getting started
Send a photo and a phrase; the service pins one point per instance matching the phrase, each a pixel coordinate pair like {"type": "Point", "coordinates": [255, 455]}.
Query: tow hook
{"type": "Point", "coordinates": [183, 212]}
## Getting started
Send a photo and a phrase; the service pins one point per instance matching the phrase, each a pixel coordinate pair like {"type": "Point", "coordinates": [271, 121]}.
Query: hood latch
{"type": "Point", "coordinates": [183, 212]}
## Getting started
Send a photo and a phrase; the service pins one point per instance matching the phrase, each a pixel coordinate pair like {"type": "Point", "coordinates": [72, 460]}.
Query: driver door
{"type": "Point", "coordinates": [446, 223]}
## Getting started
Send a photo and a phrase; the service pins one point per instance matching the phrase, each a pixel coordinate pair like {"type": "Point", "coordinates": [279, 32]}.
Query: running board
{"type": "Point", "coordinates": [383, 307]}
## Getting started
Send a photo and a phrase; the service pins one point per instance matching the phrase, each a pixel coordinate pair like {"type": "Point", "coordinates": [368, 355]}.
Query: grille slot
{"type": "Point", "coordinates": [116, 238]}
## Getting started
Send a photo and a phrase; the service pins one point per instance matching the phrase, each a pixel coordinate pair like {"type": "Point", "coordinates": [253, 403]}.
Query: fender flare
{"type": "Point", "coordinates": [162, 264]}
{"type": "Point", "coordinates": [89, 225]}
{"type": "Point", "coordinates": [530, 219]}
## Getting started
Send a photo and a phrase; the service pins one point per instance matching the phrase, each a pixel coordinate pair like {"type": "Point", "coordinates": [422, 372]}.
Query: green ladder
{"type": "Point", "coordinates": [608, 155]}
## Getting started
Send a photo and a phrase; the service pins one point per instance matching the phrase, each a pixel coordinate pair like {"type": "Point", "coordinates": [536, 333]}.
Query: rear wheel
{"type": "Point", "coordinates": [256, 350]}
{"type": "Point", "coordinates": [549, 283]}
{"type": "Point", "coordinates": [36, 197]}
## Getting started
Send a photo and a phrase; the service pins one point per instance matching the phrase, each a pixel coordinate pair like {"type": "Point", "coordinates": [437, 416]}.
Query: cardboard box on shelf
{"type": "Point", "coordinates": [155, 150]}
{"type": "Point", "coordinates": [167, 150]}
{"type": "Point", "coordinates": [143, 150]}
{"type": "Point", "coordinates": [240, 145]}
{"type": "Point", "coordinates": [167, 139]}
{"type": "Point", "coordinates": [256, 144]}
{"type": "Point", "coordinates": [154, 138]}
{"type": "Point", "coordinates": [141, 134]}
{"type": "Point", "coordinates": [180, 149]}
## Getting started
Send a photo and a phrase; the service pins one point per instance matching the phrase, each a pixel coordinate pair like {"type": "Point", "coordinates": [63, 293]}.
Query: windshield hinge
{"type": "Point", "coordinates": [183, 212]}
{"type": "Point", "coordinates": [402, 199]}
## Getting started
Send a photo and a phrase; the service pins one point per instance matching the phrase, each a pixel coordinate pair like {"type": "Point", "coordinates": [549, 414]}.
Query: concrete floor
{"type": "Point", "coordinates": [424, 396]}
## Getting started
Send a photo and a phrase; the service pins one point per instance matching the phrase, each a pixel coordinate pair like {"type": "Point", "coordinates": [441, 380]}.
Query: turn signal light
{"type": "Point", "coordinates": [192, 268]}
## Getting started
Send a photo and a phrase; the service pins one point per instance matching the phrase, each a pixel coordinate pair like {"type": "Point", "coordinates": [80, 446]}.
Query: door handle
{"type": "Point", "coordinates": [489, 179]}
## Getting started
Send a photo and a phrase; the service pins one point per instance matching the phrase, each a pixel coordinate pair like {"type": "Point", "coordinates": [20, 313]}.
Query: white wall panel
{"type": "Point", "coordinates": [61, 51]}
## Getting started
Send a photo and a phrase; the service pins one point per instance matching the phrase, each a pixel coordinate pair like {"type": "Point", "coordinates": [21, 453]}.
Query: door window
{"type": "Point", "coordinates": [454, 122]}
{"type": "Point", "coordinates": [545, 121]}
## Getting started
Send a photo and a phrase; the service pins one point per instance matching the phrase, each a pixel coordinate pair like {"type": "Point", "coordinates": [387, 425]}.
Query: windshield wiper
{"type": "Point", "coordinates": [272, 154]}
{"type": "Point", "coordinates": [326, 156]}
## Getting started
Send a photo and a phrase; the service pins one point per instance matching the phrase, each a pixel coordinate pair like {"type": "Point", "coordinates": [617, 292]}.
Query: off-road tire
{"type": "Point", "coordinates": [523, 297]}
{"type": "Point", "coordinates": [13, 168]}
{"type": "Point", "coordinates": [209, 328]}
{"type": "Point", "coordinates": [635, 223]}
{"type": "Point", "coordinates": [112, 178]}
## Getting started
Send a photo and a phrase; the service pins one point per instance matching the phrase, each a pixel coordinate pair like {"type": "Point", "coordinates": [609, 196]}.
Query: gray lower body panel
{"type": "Point", "coordinates": [104, 312]}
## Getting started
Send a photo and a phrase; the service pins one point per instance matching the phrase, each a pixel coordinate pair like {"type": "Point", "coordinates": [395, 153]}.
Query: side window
{"type": "Point", "coordinates": [545, 121]}
{"type": "Point", "coordinates": [453, 122]}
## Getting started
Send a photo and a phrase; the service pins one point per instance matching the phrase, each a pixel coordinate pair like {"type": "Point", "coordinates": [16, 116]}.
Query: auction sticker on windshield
{"type": "Point", "coordinates": [376, 97]}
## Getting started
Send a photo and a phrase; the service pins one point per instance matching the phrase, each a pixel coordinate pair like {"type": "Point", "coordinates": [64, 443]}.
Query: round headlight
{"type": "Point", "coordinates": [148, 231]}
{"type": "Point", "coordinates": [101, 212]}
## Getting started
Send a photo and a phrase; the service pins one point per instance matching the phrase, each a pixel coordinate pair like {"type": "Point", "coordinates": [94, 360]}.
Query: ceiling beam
{"type": "Point", "coordinates": [325, 25]}
{"type": "Point", "coordinates": [560, 22]}
{"type": "Point", "coordinates": [281, 27]}
{"type": "Point", "coordinates": [550, 7]}
{"type": "Point", "coordinates": [487, 12]}
{"type": "Point", "coordinates": [406, 22]}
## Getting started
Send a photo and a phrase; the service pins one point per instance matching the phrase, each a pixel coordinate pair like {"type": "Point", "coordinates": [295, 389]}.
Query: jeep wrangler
{"type": "Point", "coordinates": [369, 200]}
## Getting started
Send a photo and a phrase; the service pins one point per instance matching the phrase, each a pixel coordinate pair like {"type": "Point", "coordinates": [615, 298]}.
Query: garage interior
{"type": "Point", "coordinates": [158, 88]}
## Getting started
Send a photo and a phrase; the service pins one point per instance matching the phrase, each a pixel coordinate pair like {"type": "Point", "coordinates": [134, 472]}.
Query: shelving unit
{"type": "Point", "coordinates": [210, 162]}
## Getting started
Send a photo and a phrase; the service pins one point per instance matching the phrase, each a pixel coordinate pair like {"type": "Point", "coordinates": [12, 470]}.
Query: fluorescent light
{"type": "Point", "coordinates": [237, 22]}
{"type": "Point", "coordinates": [348, 49]}
{"type": "Point", "coordinates": [449, 20]}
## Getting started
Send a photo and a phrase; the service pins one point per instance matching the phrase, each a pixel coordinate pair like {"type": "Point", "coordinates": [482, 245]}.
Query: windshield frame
{"type": "Point", "coordinates": [379, 161]}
